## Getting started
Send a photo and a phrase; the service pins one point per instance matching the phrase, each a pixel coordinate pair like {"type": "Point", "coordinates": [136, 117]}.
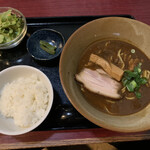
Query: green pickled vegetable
{"type": "Point", "coordinates": [47, 47]}
{"type": "Point", "coordinates": [133, 80]}
{"type": "Point", "coordinates": [10, 26]}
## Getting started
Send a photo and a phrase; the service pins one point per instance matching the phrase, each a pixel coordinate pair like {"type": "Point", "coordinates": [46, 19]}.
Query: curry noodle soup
{"type": "Point", "coordinates": [125, 56]}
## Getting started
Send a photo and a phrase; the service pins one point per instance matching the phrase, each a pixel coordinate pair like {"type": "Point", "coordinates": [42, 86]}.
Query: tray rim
{"type": "Point", "coordinates": [31, 20]}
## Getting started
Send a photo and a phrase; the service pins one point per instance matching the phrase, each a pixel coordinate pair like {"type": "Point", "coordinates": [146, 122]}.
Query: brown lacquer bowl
{"type": "Point", "coordinates": [130, 30]}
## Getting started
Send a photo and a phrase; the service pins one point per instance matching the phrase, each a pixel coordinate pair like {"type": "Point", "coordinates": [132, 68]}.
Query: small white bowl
{"type": "Point", "coordinates": [10, 74]}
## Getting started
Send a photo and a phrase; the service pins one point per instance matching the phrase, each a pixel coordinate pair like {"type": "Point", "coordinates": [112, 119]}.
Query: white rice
{"type": "Point", "coordinates": [25, 100]}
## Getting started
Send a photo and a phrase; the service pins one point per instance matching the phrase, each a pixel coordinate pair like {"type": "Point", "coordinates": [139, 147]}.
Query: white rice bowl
{"type": "Point", "coordinates": [15, 90]}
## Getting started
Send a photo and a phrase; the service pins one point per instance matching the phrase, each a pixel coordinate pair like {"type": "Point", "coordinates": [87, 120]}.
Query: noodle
{"type": "Point", "coordinates": [123, 89]}
{"type": "Point", "coordinates": [130, 98]}
{"type": "Point", "coordinates": [119, 55]}
{"type": "Point", "coordinates": [146, 74]}
{"type": "Point", "coordinates": [108, 110]}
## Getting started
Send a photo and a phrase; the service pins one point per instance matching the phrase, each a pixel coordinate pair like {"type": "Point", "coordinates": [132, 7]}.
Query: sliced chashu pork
{"type": "Point", "coordinates": [98, 81]}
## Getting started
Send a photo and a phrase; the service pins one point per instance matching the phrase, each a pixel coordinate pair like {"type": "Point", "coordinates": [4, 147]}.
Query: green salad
{"type": "Point", "coordinates": [10, 26]}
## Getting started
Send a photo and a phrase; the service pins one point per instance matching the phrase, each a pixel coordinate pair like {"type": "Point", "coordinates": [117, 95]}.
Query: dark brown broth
{"type": "Point", "coordinates": [107, 49]}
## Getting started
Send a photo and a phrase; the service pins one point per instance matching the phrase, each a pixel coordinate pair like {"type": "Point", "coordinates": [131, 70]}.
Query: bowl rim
{"type": "Point", "coordinates": [6, 45]}
{"type": "Point", "coordinates": [51, 30]}
{"type": "Point", "coordinates": [48, 109]}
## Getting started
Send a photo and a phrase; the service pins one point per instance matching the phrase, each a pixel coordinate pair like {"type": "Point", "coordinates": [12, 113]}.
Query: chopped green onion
{"type": "Point", "coordinates": [137, 87]}
{"type": "Point", "coordinates": [131, 86]}
{"type": "Point", "coordinates": [143, 80]}
{"type": "Point", "coordinates": [132, 51]}
{"type": "Point", "coordinates": [138, 94]}
{"type": "Point", "coordinates": [132, 80]}
{"type": "Point", "coordinates": [124, 81]}
{"type": "Point", "coordinates": [138, 68]}
{"type": "Point", "coordinates": [131, 74]}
